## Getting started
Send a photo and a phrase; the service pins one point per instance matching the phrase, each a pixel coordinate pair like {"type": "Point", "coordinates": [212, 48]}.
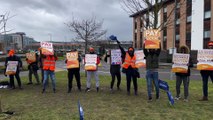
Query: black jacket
{"type": "Point", "coordinates": [13, 58]}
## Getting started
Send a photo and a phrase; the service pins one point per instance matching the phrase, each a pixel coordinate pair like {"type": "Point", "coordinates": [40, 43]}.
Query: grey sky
{"type": "Point", "coordinates": [38, 18]}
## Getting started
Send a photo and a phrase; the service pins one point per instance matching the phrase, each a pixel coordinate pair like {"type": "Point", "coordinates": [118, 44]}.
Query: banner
{"type": "Point", "coordinates": [31, 57]}
{"type": "Point", "coordinates": [116, 57]}
{"type": "Point", "coordinates": [11, 67]}
{"type": "Point", "coordinates": [72, 60]}
{"type": "Point", "coordinates": [170, 97]}
{"type": "Point", "coordinates": [152, 39]}
{"type": "Point", "coordinates": [140, 61]}
{"type": "Point", "coordinates": [180, 63]}
{"type": "Point", "coordinates": [205, 59]}
{"type": "Point", "coordinates": [47, 48]}
{"type": "Point", "coordinates": [90, 62]}
{"type": "Point", "coordinates": [81, 112]}
{"type": "Point", "coordinates": [163, 85]}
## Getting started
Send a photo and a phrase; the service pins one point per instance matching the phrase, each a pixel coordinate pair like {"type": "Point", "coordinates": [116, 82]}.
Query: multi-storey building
{"type": "Point", "coordinates": [193, 24]}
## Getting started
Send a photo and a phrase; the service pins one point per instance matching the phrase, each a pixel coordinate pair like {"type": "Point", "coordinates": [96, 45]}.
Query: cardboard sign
{"type": "Point", "coordinates": [180, 62]}
{"type": "Point", "coordinates": [90, 62]}
{"type": "Point", "coordinates": [205, 59]}
{"type": "Point", "coordinates": [152, 37]}
{"type": "Point", "coordinates": [31, 57]}
{"type": "Point", "coordinates": [47, 48]}
{"type": "Point", "coordinates": [11, 67]}
{"type": "Point", "coordinates": [116, 57]}
{"type": "Point", "coordinates": [140, 61]}
{"type": "Point", "coordinates": [72, 60]}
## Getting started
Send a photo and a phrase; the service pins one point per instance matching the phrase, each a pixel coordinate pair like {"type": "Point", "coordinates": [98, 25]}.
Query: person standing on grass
{"type": "Point", "coordinates": [13, 57]}
{"type": "Point", "coordinates": [152, 65]}
{"type": "Point", "coordinates": [33, 68]}
{"type": "Point", "coordinates": [129, 68]}
{"type": "Point", "coordinates": [114, 71]}
{"type": "Point", "coordinates": [183, 76]}
{"type": "Point", "coordinates": [74, 71]}
{"type": "Point", "coordinates": [94, 72]}
{"type": "Point", "coordinates": [205, 74]}
{"type": "Point", "coordinates": [49, 70]}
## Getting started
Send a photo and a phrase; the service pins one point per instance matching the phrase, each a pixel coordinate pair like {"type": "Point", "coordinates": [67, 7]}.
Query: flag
{"type": "Point", "coordinates": [112, 37]}
{"type": "Point", "coordinates": [163, 85]}
{"type": "Point", "coordinates": [171, 99]}
{"type": "Point", "coordinates": [81, 112]}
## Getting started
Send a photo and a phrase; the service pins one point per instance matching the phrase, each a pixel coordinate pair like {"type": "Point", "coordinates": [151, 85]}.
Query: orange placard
{"type": "Point", "coordinates": [152, 44]}
{"type": "Point", "coordinates": [31, 57]}
{"type": "Point", "coordinates": [72, 60]}
{"type": "Point", "coordinates": [180, 62]}
{"type": "Point", "coordinates": [140, 61]}
{"type": "Point", "coordinates": [91, 62]}
{"type": "Point", "coordinates": [11, 67]}
{"type": "Point", "coordinates": [47, 48]}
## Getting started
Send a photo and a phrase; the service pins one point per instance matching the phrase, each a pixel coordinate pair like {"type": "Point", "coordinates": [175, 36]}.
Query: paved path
{"type": "Point", "coordinates": [164, 72]}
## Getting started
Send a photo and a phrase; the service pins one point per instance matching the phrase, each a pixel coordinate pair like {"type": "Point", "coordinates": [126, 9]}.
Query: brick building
{"type": "Point", "coordinates": [193, 24]}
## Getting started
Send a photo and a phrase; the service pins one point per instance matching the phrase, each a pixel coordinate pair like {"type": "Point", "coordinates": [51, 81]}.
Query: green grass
{"type": "Point", "coordinates": [29, 103]}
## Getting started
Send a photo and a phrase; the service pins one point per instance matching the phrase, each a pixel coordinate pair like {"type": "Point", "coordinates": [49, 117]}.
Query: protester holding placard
{"type": "Point", "coordinates": [205, 74]}
{"type": "Point", "coordinates": [12, 58]}
{"type": "Point", "coordinates": [91, 66]}
{"type": "Point", "coordinates": [152, 65]}
{"type": "Point", "coordinates": [32, 60]}
{"type": "Point", "coordinates": [129, 67]}
{"type": "Point", "coordinates": [183, 76]}
{"type": "Point", "coordinates": [115, 66]}
{"type": "Point", "coordinates": [73, 60]}
{"type": "Point", "coordinates": [49, 70]}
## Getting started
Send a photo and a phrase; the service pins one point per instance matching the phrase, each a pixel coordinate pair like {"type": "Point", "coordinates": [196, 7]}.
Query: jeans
{"type": "Point", "coordinates": [52, 76]}
{"type": "Point", "coordinates": [152, 75]}
{"type": "Point", "coordinates": [89, 75]}
{"type": "Point", "coordinates": [185, 80]}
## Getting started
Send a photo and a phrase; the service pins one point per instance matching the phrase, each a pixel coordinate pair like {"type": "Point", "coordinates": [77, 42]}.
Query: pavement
{"type": "Point", "coordinates": [164, 71]}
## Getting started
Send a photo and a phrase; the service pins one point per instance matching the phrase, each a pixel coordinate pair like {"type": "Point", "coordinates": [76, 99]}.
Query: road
{"type": "Point", "coordinates": [164, 71]}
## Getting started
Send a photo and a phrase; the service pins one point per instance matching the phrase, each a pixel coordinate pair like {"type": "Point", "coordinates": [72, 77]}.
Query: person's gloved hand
{"type": "Point", "coordinates": [5, 75]}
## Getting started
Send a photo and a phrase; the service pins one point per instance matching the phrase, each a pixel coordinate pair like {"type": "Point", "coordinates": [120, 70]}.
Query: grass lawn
{"type": "Point", "coordinates": [31, 104]}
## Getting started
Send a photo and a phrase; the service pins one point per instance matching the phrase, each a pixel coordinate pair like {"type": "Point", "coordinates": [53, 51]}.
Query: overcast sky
{"type": "Point", "coordinates": [40, 18]}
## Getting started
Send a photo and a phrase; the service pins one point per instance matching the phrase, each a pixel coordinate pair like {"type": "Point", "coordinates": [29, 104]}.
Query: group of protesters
{"type": "Point", "coordinates": [47, 64]}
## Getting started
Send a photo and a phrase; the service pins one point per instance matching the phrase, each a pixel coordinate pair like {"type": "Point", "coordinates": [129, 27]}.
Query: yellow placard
{"type": "Point", "coordinates": [72, 60]}
{"type": "Point", "coordinates": [90, 67]}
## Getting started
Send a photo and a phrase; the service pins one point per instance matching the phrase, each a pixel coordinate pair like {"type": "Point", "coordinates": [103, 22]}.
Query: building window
{"type": "Point", "coordinates": [189, 19]}
{"type": "Point", "coordinates": [207, 14]}
{"type": "Point", "coordinates": [164, 38]}
{"type": "Point", "coordinates": [177, 38]}
{"type": "Point", "coordinates": [177, 21]}
{"type": "Point", "coordinates": [207, 34]}
{"type": "Point", "coordinates": [165, 9]}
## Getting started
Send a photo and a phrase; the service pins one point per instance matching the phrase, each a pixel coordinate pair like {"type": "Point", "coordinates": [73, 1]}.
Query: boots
{"type": "Point", "coordinates": [205, 98]}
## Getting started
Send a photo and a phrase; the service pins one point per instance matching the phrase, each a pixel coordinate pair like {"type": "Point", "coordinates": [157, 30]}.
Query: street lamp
{"type": "Point", "coordinates": [50, 37]}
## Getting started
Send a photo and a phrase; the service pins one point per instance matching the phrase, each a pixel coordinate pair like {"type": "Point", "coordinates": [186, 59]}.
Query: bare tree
{"type": "Point", "coordinates": [88, 30]}
{"type": "Point", "coordinates": [152, 8]}
{"type": "Point", "coordinates": [3, 22]}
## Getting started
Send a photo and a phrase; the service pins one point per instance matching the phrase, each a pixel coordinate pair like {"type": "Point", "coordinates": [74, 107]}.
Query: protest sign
{"type": "Point", "coordinates": [31, 57]}
{"type": "Point", "coordinates": [140, 61]}
{"type": "Point", "coordinates": [72, 60]}
{"type": "Point", "coordinates": [11, 67]}
{"type": "Point", "coordinates": [205, 59]}
{"type": "Point", "coordinates": [47, 48]}
{"type": "Point", "coordinates": [180, 63]}
{"type": "Point", "coordinates": [152, 37]}
{"type": "Point", "coordinates": [116, 57]}
{"type": "Point", "coordinates": [90, 62]}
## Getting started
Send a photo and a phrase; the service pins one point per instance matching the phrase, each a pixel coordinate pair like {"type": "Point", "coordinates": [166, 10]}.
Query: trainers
{"type": "Point", "coordinates": [111, 90]}
{"type": "Point", "coordinates": [185, 100]}
{"type": "Point", "coordinates": [204, 98]}
{"type": "Point", "coordinates": [87, 90]}
{"type": "Point", "coordinates": [177, 98]}
{"type": "Point", "coordinates": [149, 99]}
{"type": "Point", "coordinates": [97, 89]}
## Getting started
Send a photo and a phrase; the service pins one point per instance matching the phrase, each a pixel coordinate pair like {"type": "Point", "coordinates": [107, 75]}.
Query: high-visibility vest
{"type": "Point", "coordinates": [129, 61]}
{"type": "Point", "coordinates": [49, 63]}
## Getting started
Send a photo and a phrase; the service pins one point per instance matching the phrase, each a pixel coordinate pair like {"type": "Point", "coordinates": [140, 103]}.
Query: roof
{"type": "Point", "coordinates": [147, 9]}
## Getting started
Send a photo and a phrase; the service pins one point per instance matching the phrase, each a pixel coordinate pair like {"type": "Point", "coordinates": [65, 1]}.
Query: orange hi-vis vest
{"type": "Point", "coordinates": [129, 61]}
{"type": "Point", "coordinates": [49, 63]}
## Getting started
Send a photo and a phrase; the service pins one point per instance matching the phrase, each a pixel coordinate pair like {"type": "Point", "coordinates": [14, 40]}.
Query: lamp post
{"type": "Point", "coordinates": [50, 37]}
